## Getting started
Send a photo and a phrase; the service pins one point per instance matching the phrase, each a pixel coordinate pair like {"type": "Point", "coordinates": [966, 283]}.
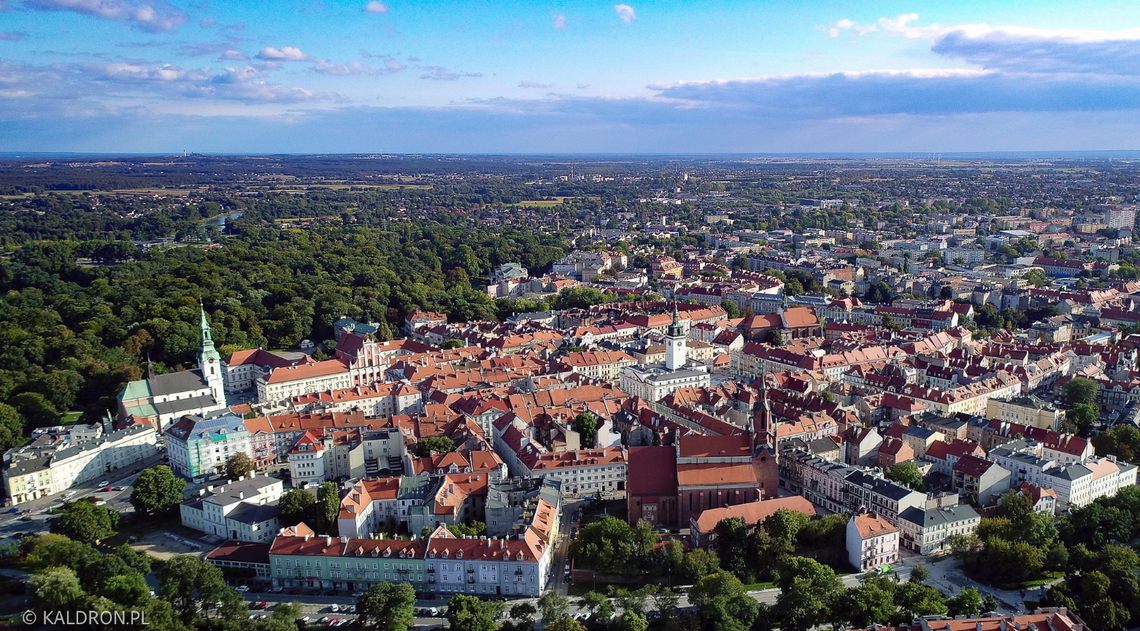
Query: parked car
{"type": "Point", "coordinates": [334, 608]}
{"type": "Point", "coordinates": [357, 594]}
{"type": "Point", "coordinates": [274, 590]}
{"type": "Point", "coordinates": [14, 510]}
{"type": "Point", "coordinates": [103, 483]}
{"type": "Point", "coordinates": [243, 588]}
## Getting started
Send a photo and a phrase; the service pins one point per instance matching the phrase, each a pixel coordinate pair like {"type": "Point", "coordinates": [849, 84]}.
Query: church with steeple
{"type": "Point", "coordinates": [160, 400]}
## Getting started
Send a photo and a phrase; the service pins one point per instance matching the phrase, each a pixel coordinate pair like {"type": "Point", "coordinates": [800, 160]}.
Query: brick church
{"type": "Point", "coordinates": [670, 484]}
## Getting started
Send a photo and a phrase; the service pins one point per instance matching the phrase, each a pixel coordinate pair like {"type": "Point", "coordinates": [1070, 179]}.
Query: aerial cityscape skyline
{"type": "Point", "coordinates": [570, 315]}
{"type": "Point", "coordinates": [662, 77]}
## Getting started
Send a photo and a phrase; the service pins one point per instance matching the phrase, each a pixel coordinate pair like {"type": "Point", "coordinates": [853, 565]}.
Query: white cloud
{"type": "Point", "coordinates": [324, 66]}
{"type": "Point", "coordinates": [1016, 48]}
{"type": "Point", "coordinates": [534, 84]}
{"type": "Point", "coordinates": [158, 17]}
{"type": "Point", "coordinates": [375, 7]}
{"type": "Point", "coordinates": [391, 66]}
{"type": "Point", "coordinates": [234, 55]}
{"type": "Point", "coordinates": [439, 73]}
{"type": "Point", "coordinates": [625, 13]}
{"type": "Point", "coordinates": [559, 21]}
{"type": "Point", "coordinates": [285, 53]}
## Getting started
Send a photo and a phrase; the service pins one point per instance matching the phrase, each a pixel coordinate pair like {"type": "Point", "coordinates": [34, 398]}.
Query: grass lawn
{"type": "Point", "coordinates": [755, 587]}
{"type": "Point", "coordinates": [1042, 581]}
{"type": "Point", "coordinates": [70, 418]}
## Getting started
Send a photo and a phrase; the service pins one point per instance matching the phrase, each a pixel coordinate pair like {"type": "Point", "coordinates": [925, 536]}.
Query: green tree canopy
{"type": "Point", "coordinates": [806, 588]}
{"type": "Point", "coordinates": [328, 508]}
{"type": "Point", "coordinates": [84, 521]}
{"type": "Point", "coordinates": [434, 444]}
{"type": "Point", "coordinates": [908, 474]}
{"type": "Point", "coordinates": [1080, 390]}
{"type": "Point", "coordinates": [238, 466]}
{"type": "Point", "coordinates": [296, 506]}
{"type": "Point", "coordinates": [388, 606]}
{"type": "Point", "coordinates": [587, 427]}
{"type": "Point", "coordinates": [157, 490]}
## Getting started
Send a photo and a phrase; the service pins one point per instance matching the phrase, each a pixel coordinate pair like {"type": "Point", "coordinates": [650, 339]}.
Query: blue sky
{"type": "Point", "coordinates": [571, 76]}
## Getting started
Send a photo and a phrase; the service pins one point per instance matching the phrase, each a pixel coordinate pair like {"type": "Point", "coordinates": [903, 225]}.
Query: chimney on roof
{"type": "Point", "coordinates": [328, 541]}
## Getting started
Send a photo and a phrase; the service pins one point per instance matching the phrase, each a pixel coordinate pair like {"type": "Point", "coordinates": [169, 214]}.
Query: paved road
{"type": "Point", "coordinates": [562, 547]}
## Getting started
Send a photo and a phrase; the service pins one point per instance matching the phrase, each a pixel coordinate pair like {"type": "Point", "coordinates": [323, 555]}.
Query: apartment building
{"type": "Point", "coordinates": [924, 530]}
{"type": "Point", "coordinates": [59, 458]}
{"type": "Point", "coordinates": [1026, 410]}
{"type": "Point", "coordinates": [442, 564]}
{"type": "Point", "coordinates": [242, 510]}
{"type": "Point", "coordinates": [1078, 484]}
{"type": "Point", "coordinates": [199, 447]}
{"type": "Point", "coordinates": [293, 381]}
{"type": "Point", "coordinates": [872, 542]}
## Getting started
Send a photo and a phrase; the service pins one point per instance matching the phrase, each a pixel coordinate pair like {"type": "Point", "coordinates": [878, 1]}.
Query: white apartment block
{"type": "Point", "coordinates": [77, 457]}
{"type": "Point", "coordinates": [307, 461]}
{"type": "Point", "coordinates": [1080, 484]}
{"type": "Point", "coordinates": [242, 510]}
{"type": "Point", "coordinates": [294, 381]}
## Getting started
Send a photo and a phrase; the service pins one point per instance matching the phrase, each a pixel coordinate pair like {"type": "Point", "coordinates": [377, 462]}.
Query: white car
{"type": "Point", "coordinates": [103, 484]}
{"type": "Point", "coordinates": [243, 588]}
{"type": "Point", "coordinates": [334, 608]}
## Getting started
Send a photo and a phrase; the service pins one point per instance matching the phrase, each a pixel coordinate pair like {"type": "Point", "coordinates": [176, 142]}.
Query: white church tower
{"type": "Point", "coordinates": [210, 362]}
{"type": "Point", "coordinates": [675, 343]}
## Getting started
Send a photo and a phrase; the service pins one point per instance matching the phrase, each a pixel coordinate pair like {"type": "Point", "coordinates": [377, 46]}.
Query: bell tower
{"type": "Point", "coordinates": [209, 361]}
{"type": "Point", "coordinates": [765, 445]}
